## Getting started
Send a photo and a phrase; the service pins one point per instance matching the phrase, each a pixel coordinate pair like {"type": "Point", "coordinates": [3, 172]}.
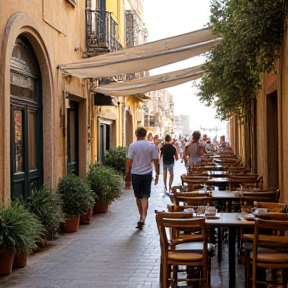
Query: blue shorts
{"type": "Point", "coordinates": [168, 167]}
{"type": "Point", "coordinates": [141, 185]}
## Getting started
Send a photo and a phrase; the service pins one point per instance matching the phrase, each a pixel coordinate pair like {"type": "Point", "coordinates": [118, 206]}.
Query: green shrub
{"type": "Point", "coordinates": [116, 158]}
{"type": "Point", "coordinates": [105, 182]}
{"type": "Point", "coordinates": [76, 195]}
{"type": "Point", "coordinates": [19, 229]}
{"type": "Point", "coordinates": [47, 207]}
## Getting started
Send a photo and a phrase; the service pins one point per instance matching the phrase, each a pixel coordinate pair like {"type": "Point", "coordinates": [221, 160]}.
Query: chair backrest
{"type": "Point", "coordinates": [200, 169]}
{"type": "Point", "coordinates": [226, 161]}
{"type": "Point", "coordinates": [237, 180]}
{"type": "Point", "coordinates": [274, 231]}
{"type": "Point", "coordinates": [179, 221]}
{"type": "Point", "coordinates": [251, 197]}
{"type": "Point", "coordinates": [237, 169]}
{"type": "Point", "coordinates": [272, 206]}
{"type": "Point", "coordinates": [181, 201]}
{"type": "Point", "coordinates": [260, 196]}
{"type": "Point", "coordinates": [194, 176]}
{"type": "Point", "coordinates": [193, 183]}
{"type": "Point", "coordinates": [269, 234]}
{"type": "Point", "coordinates": [274, 216]}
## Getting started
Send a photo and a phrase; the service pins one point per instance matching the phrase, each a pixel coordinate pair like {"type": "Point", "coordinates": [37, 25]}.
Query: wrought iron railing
{"type": "Point", "coordinates": [101, 32]}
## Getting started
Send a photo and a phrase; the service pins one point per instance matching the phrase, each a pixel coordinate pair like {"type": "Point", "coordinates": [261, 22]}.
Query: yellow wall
{"type": "Point", "coordinates": [54, 29]}
{"type": "Point", "coordinates": [118, 13]}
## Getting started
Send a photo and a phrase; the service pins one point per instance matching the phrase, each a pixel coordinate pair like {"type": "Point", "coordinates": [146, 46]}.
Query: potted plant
{"type": "Point", "coordinates": [77, 198]}
{"type": "Point", "coordinates": [116, 158]}
{"type": "Point", "coordinates": [19, 230]}
{"type": "Point", "coordinates": [107, 185]}
{"type": "Point", "coordinates": [47, 207]}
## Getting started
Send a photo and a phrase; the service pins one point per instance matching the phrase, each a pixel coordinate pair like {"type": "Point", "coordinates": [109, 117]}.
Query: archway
{"type": "Point", "coordinates": [26, 140]}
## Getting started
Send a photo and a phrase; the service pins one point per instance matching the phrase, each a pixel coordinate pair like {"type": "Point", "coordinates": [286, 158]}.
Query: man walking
{"type": "Point", "coordinates": [140, 156]}
{"type": "Point", "coordinates": [169, 153]}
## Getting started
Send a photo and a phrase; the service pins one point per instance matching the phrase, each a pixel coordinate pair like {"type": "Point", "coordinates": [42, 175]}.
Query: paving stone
{"type": "Point", "coordinates": [108, 253]}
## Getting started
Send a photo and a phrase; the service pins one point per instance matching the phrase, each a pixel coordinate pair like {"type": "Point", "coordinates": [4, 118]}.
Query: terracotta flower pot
{"type": "Point", "coordinates": [86, 218]}
{"type": "Point", "coordinates": [6, 262]}
{"type": "Point", "coordinates": [20, 260]}
{"type": "Point", "coordinates": [72, 224]}
{"type": "Point", "coordinates": [100, 207]}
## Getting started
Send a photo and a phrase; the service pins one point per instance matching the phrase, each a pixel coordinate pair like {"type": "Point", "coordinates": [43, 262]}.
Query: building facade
{"type": "Point", "coordinates": [53, 123]}
{"type": "Point", "coordinates": [182, 125]}
{"type": "Point", "coordinates": [261, 137]}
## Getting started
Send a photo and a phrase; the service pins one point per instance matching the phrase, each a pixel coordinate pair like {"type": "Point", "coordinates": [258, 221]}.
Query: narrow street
{"type": "Point", "coordinates": [110, 252]}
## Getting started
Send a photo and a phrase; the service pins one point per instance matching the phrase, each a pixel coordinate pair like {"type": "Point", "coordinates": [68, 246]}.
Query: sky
{"type": "Point", "coordinates": [167, 18]}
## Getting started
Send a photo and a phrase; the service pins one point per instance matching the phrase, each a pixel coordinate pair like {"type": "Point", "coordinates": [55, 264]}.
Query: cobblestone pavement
{"type": "Point", "coordinates": [108, 253]}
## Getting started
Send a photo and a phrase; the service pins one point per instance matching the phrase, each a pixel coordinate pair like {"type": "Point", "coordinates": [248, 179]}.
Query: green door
{"type": "Point", "coordinates": [26, 120]}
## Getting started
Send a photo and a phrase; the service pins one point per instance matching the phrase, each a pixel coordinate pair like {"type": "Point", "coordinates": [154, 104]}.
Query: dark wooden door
{"type": "Point", "coordinates": [72, 139]}
{"type": "Point", "coordinates": [104, 141]}
{"type": "Point", "coordinates": [272, 140]}
{"type": "Point", "coordinates": [26, 120]}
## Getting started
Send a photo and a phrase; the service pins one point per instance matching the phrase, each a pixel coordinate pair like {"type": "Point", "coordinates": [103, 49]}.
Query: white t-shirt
{"type": "Point", "coordinates": [142, 153]}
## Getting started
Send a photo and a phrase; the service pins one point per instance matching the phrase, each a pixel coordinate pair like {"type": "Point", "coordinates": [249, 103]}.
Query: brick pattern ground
{"type": "Point", "coordinates": [108, 253]}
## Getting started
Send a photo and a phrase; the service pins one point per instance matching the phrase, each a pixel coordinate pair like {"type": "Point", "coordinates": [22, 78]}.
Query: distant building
{"type": "Point", "coordinates": [182, 124]}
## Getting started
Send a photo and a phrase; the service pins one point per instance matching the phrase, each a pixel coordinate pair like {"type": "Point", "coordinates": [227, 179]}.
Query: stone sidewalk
{"type": "Point", "coordinates": [108, 253]}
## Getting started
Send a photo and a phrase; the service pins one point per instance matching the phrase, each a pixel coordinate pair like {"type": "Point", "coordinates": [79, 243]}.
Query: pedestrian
{"type": "Point", "coordinates": [150, 137]}
{"type": "Point", "coordinates": [141, 154]}
{"type": "Point", "coordinates": [195, 150]}
{"type": "Point", "coordinates": [169, 153]}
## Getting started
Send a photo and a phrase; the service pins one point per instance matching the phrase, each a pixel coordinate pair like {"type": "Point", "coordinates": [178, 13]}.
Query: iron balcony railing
{"type": "Point", "coordinates": [101, 32]}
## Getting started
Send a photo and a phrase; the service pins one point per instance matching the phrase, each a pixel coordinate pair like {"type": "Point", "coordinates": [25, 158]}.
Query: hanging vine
{"type": "Point", "coordinates": [252, 31]}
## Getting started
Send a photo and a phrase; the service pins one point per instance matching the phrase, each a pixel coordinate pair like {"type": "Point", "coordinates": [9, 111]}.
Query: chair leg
{"type": "Point", "coordinates": [209, 271]}
{"type": "Point", "coordinates": [219, 244]}
{"type": "Point", "coordinates": [175, 275]}
{"type": "Point", "coordinates": [161, 282]}
{"type": "Point", "coordinates": [165, 282]}
{"type": "Point", "coordinates": [284, 276]}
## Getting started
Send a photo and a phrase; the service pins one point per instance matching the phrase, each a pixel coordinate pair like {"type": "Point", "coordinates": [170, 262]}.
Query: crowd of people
{"type": "Point", "coordinates": [190, 150]}
{"type": "Point", "coordinates": [163, 153]}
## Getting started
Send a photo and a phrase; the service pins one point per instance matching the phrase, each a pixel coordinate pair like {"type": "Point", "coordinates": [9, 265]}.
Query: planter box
{"type": "Point", "coordinates": [20, 260]}
{"type": "Point", "coordinates": [86, 218]}
{"type": "Point", "coordinates": [6, 262]}
{"type": "Point", "coordinates": [100, 207]}
{"type": "Point", "coordinates": [72, 224]}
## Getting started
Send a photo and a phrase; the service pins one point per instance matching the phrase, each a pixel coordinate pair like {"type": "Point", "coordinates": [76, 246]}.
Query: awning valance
{"type": "Point", "coordinates": [103, 100]}
{"type": "Point", "coordinates": [152, 83]}
{"type": "Point", "coordinates": [144, 57]}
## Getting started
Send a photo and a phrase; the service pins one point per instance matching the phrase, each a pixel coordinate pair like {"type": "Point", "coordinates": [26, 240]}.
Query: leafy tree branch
{"type": "Point", "coordinates": [252, 32]}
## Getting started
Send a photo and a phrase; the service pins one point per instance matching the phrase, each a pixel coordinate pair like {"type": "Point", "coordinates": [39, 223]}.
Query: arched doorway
{"type": "Point", "coordinates": [26, 120]}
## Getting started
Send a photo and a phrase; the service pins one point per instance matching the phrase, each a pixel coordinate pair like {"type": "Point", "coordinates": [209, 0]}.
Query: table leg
{"type": "Point", "coordinates": [219, 236]}
{"type": "Point", "coordinates": [231, 243]}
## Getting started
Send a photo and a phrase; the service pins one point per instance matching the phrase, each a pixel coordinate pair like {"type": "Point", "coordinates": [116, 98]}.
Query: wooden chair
{"type": "Point", "coordinates": [181, 201]}
{"type": "Point", "coordinates": [269, 250]}
{"type": "Point", "coordinates": [227, 161]}
{"type": "Point", "coordinates": [260, 196]}
{"type": "Point", "coordinates": [199, 169]}
{"type": "Point", "coordinates": [192, 183]}
{"type": "Point", "coordinates": [174, 253]}
{"type": "Point", "coordinates": [237, 170]}
{"type": "Point", "coordinates": [272, 206]}
{"type": "Point", "coordinates": [236, 180]}
{"type": "Point", "coordinates": [246, 236]}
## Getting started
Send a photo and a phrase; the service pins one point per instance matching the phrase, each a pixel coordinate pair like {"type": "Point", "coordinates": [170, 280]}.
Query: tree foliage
{"type": "Point", "coordinates": [252, 31]}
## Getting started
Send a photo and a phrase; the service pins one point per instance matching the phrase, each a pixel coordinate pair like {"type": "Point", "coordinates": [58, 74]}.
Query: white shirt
{"type": "Point", "coordinates": [142, 153]}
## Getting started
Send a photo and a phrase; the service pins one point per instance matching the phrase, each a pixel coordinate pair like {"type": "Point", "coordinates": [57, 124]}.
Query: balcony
{"type": "Point", "coordinates": [101, 33]}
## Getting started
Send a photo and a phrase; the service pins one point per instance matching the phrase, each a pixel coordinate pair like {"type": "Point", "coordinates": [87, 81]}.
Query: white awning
{"type": "Point", "coordinates": [144, 57]}
{"type": "Point", "coordinates": [147, 84]}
